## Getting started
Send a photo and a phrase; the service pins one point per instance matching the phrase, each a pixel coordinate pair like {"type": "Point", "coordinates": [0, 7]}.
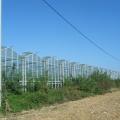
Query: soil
{"type": "Point", "coordinates": [101, 107]}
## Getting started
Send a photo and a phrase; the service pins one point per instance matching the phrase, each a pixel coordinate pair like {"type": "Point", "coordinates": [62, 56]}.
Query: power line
{"type": "Point", "coordinates": [79, 32]}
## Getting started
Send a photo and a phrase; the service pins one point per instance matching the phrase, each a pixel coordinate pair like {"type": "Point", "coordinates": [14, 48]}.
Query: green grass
{"type": "Point", "coordinates": [26, 101]}
{"type": "Point", "coordinates": [40, 95]}
{"type": "Point", "coordinates": [35, 100]}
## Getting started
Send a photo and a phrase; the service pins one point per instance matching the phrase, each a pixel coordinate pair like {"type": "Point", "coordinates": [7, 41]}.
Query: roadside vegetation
{"type": "Point", "coordinates": [40, 94]}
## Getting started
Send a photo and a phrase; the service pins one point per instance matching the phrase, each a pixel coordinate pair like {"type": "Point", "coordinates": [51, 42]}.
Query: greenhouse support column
{"type": "Point", "coordinates": [28, 67]}
{"type": "Point", "coordinates": [82, 70]}
{"type": "Point", "coordinates": [37, 66]}
{"type": "Point", "coordinates": [0, 59]}
{"type": "Point", "coordinates": [41, 67]}
{"type": "Point", "coordinates": [5, 50]}
{"type": "Point", "coordinates": [57, 75]}
{"type": "Point", "coordinates": [55, 71]}
{"type": "Point", "coordinates": [25, 84]}
{"type": "Point", "coordinates": [33, 69]}
{"type": "Point", "coordinates": [32, 65]}
{"type": "Point", "coordinates": [17, 64]}
{"type": "Point", "coordinates": [52, 70]}
{"type": "Point", "coordinates": [12, 57]}
{"type": "Point", "coordinates": [48, 64]}
{"type": "Point", "coordinates": [23, 75]}
{"type": "Point", "coordinates": [63, 72]}
{"type": "Point", "coordinates": [12, 63]}
{"type": "Point", "coordinates": [119, 75]}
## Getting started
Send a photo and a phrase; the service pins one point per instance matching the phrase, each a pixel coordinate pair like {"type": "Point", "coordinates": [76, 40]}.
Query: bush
{"type": "Point", "coordinates": [39, 84]}
{"type": "Point", "coordinates": [96, 83]}
{"type": "Point", "coordinates": [55, 95]}
{"type": "Point", "coordinates": [102, 82]}
{"type": "Point", "coordinates": [38, 98]}
{"type": "Point", "coordinates": [117, 83]}
{"type": "Point", "coordinates": [39, 94]}
{"type": "Point", "coordinates": [71, 93]}
{"type": "Point", "coordinates": [13, 87]}
{"type": "Point", "coordinates": [26, 101]}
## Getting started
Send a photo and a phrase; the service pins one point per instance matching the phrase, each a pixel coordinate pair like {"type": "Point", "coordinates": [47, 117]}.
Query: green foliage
{"type": "Point", "coordinates": [18, 102]}
{"type": "Point", "coordinates": [55, 95]}
{"type": "Point", "coordinates": [13, 87]}
{"type": "Point", "coordinates": [39, 93]}
{"type": "Point", "coordinates": [41, 84]}
{"type": "Point", "coordinates": [88, 85]}
{"type": "Point", "coordinates": [103, 81]}
{"type": "Point", "coordinates": [37, 84]}
{"type": "Point", "coordinates": [31, 100]}
{"type": "Point", "coordinates": [97, 83]}
{"type": "Point", "coordinates": [26, 101]}
{"type": "Point", "coordinates": [117, 83]}
{"type": "Point", "coordinates": [30, 85]}
{"type": "Point", "coordinates": [71, 93]}
{"type": "Point", "coordinates": [38, 98]}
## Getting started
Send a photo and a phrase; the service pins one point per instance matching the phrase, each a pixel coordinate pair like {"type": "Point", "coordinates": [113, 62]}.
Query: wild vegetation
{"type": "Point", "coordinates": [39, 94]}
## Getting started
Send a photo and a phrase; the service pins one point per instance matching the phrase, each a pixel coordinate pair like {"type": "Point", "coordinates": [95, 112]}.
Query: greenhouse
{"type": "Point", "coordinates": [29, 67]}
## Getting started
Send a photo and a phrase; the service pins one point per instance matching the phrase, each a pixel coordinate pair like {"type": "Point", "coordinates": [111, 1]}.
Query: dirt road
{"type": "Point", "coordinates": [102, 107]}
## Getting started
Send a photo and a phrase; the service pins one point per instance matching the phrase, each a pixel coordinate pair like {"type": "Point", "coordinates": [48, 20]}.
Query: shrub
{"type": "Point", "coordinates": [13, 87]}
{"type": "Point", "coordinates": [55, 95]}
{"type": "Point", "coordinates": [26, 101]}
{"type": "Point", "coordinates": [38, 98]}
{"type": "Point", "coordinates": [38, 84]}
{"type": "Point", "coordinates": [117, 83]}
{"type": "Point", "coordinates": [71, 93]}
{"type": "Point", "coordinates": [102, 80]}
{"type": "Point", "coordinates": [39, 93]}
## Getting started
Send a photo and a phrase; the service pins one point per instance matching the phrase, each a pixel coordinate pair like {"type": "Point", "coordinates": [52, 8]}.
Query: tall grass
{"type": "Point", "coordinates": [39, 94]}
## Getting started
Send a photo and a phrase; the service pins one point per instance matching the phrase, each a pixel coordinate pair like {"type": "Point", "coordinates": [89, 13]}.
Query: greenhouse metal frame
{"type": "Point", "coordinates": [29, 66]}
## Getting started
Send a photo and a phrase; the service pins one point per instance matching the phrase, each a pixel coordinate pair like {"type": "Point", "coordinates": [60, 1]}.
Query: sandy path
{"type": "Point", "coordinates": [102, 107]}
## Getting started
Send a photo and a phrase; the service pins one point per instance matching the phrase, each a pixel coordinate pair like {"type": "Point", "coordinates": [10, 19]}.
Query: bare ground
{"type": "Point", "coordinates": [101, 107]}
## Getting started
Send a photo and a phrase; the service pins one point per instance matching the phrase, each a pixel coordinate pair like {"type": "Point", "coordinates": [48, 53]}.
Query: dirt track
{"type": "Point", "coordinates": [102, 107]}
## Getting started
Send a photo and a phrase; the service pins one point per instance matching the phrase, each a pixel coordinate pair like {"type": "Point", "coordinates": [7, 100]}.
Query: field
{"type": "Point", "coordinates": [100, 107]}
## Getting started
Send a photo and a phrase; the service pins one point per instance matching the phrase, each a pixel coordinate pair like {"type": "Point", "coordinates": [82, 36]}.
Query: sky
{"type": "Point", "coordinates": [30, 25]}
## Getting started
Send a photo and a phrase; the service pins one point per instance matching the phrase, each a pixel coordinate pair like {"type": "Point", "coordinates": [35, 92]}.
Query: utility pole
{"type": "Point", "coordinates": [0, 56]}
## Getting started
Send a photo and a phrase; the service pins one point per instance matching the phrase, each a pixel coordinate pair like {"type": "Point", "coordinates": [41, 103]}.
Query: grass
{"type": "Point", "coordinates": [35, 100]}
{"type": "Point", "coordinates": [41, 95]}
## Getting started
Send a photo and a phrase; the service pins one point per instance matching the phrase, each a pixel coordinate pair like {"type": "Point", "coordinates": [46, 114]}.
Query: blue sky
{"type": "Point", "coordinates": [29, 25]}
